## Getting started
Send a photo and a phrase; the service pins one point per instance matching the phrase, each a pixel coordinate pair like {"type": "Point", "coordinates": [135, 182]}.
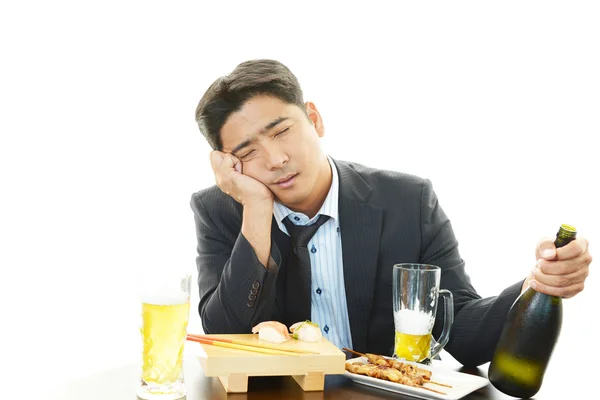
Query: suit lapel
{"type": "Point", "coordinates": [360, 227]}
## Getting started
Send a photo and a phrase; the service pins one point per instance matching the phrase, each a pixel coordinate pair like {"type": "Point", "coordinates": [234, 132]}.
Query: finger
{"type": "Point", "coordinates": [560, 280]}
{"type": "Point", "coordinates": [238, 167]}
{"type": "Point", "coordinates": [545, 249]}
{"type": "Point", "coordinates": [216, 159]}
{"type": "Point", "coordinates": [526, 282]}
{"type": "Point", "coordinates": [572, 250]}
{"type": "Point", "coordinates": [564, 267]}
{"type": "Point", "coordinates": [228, 162]}
{"type": "Point", "coordinates": [219, 162]}
{"type": "Point", "coordinates": [564, 292]}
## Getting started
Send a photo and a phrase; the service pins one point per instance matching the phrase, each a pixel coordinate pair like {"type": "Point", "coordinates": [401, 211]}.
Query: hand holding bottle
{"type": "Point", "coordinates": [534, 320]}
{"type": "Point", "coordinates": [560, 271]}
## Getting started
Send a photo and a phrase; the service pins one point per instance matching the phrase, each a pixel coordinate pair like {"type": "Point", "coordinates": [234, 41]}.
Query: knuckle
{"type": "Point", "coordinates": [573, 290]}
{"type": "Point", "coordinates": [547, 269]}
{"type": "Point", "coordinates": [563, 281]}
{"type": "Point", "coordinates": [562, 292]}
{"type": "Point", "coordinates": [542, 265]}
{"type": "Point", "coordinates": [586, 272]}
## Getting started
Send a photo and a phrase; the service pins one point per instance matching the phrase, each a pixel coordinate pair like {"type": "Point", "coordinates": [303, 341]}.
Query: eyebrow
{"type": "Point", "coordinates": [264, 130]}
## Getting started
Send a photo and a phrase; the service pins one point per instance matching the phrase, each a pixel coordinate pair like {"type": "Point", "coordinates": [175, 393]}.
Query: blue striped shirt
{"type": "Point", "coordinates": [328, 300]}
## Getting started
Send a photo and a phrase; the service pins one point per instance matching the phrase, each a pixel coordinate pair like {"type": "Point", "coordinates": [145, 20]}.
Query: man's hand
{"type": "Point", "coordinates": [229, 177]}
{"type": "Point", "coordinates": [560, 272]}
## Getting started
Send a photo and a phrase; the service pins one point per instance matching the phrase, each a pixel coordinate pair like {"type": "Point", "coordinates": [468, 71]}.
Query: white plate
{"type": "Point", "coordinates": [462, 384]}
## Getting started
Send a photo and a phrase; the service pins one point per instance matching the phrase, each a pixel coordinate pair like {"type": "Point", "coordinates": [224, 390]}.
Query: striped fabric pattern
{"type": "Point", "coordinates": [328, 300]}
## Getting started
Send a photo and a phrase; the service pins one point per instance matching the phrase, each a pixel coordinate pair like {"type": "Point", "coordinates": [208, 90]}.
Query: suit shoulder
{"type": "Point", "coordinates": [214, 202]}
{"type": "Point", "coordinates": [207, 194]}
{"type": "Point", "coordinates": [377, 178]}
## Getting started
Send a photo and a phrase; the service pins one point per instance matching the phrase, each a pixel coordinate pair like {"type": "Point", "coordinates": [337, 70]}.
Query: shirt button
{"type": "Point", "coordinates": [297, 218]}
{"type": "Point", "coordinates": [326, 329]}
{"type": "Point", "coordinates": [313, 250]}
{"type": "Point", "coordinates": [319, 291]}
{"type": "Point", "coordinates": [338, 229]}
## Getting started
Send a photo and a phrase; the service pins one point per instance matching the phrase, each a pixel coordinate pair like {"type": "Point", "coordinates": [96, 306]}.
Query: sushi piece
{"type": "Point", "coordinates": [307, 331]}
{"type": "Point", "coordinates": [272, 331]}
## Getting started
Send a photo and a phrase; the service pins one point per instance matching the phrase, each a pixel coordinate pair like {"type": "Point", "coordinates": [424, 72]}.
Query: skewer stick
{"type": "Point", "coordinates": [440, 384]}
{"type": "Point", "coordinates": [436, 391]}
{"type": "Point", "coordinates": [354, 352]}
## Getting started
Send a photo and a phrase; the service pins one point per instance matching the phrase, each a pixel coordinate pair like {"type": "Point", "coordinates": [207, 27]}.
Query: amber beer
{"type": "Point", "coordinates": [163, 331]}
{"type": "Point", "coordinates": [413, 341]}
{"type": "Point", "coordinates": [416, 290]}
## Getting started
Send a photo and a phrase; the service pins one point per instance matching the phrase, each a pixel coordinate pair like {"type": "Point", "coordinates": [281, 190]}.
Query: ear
{"type": "Point", "coordinates": [315, 117]}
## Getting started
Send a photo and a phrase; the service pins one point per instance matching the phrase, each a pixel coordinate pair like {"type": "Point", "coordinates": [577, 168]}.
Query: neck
{"type": "Point", "coordinates": [313, 204]}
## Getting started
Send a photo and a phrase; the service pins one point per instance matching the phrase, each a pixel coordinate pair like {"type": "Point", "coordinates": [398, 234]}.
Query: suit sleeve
{"type": "Point", "coordinates": [478, 322]}
{"type": "Point", "coordinates": [236, 290]}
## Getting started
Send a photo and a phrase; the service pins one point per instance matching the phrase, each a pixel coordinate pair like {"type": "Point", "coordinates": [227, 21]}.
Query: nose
{"type": "Point", "coordinates": [276, 157]}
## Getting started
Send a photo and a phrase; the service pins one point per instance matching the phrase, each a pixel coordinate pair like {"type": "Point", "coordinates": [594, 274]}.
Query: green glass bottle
{"type": "Point", "coordinates": [530, 332]}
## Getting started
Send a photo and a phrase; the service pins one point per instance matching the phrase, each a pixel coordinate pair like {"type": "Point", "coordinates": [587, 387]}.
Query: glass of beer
{"type": "Point", "coordinates": [165, 301]}
{"type": "Point", "coordinates": [416, 292]}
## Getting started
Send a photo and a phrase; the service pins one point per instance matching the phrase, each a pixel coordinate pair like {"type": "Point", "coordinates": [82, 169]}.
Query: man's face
{"type": "Point", "coordinates": [278, 146]}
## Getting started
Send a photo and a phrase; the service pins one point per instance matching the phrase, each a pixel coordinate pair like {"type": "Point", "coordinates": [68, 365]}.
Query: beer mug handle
{"type": "Point", "coordinates": [448, 320]}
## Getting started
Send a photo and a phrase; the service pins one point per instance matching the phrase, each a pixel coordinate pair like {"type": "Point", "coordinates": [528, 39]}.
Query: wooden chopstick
{"type": "Point", "coordinates": [241, 347]}
{"type": "Point", "coordinates": [253, 344]}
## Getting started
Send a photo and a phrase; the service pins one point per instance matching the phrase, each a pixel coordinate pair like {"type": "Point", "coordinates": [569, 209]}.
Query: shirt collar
{"type": "Point", "coordinates": [329, 206]}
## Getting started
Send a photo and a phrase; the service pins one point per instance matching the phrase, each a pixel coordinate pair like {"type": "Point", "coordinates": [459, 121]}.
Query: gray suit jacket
{"type": "Point", "coordinates": [385, 218]}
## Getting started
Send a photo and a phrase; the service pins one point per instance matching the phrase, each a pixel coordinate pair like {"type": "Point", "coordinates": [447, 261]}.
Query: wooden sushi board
{"type": "Point", "coordinates": [233, 367]}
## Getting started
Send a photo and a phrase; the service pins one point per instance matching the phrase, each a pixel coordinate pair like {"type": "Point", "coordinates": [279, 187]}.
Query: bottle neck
{"type": "Point", "coordinates": [566, 234]}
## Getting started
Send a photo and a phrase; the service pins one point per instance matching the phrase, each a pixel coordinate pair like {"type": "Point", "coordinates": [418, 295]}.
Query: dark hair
{"type": "Point", "coordinates": [229, 93]}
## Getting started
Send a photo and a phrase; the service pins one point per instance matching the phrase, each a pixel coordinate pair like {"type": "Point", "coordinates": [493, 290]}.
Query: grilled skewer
{"type": "Point", "coordinates": [405, 368]}
{"type": "Point", "coordinates": [386, 373]}
{"type": "Point", "coordinates": [412, 375]}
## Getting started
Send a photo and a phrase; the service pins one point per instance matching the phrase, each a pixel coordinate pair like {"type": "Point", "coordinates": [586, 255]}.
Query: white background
{"type": "Point", "coordinates": [498, 104]}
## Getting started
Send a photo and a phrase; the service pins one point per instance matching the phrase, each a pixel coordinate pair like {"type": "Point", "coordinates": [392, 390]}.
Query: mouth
{"type": "Point", "coordinates": [286, 181]}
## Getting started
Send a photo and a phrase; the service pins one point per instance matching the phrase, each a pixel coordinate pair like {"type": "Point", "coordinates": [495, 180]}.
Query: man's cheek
{"type": "Point", "coordinates": [259, 177]}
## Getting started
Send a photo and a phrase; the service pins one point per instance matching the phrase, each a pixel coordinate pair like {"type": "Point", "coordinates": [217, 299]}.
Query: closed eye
{"type": "Point", "coordinates": [248, 154]}
{"type": "Point", "coordinates": [282, 132]}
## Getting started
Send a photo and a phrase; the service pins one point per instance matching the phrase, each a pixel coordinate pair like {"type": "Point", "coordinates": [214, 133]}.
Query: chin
{"type": "Point", "coordinates": [289, 199]}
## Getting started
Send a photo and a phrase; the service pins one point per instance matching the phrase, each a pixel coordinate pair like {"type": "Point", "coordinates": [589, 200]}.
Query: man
{"type": "Point", "coordinates": [273, 179]}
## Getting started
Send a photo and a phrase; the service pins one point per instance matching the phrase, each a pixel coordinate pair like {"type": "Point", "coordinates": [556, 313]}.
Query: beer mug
{"type": "Point", "coordinates": [165, 302]}
{"type": "Point", "coordinates": [416, 291]}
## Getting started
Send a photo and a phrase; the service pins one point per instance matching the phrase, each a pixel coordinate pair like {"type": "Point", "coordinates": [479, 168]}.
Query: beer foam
{"type": "Point", "coordinates": [413, 322]}
{"type": "Point", "coordinates": [165, 299]}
